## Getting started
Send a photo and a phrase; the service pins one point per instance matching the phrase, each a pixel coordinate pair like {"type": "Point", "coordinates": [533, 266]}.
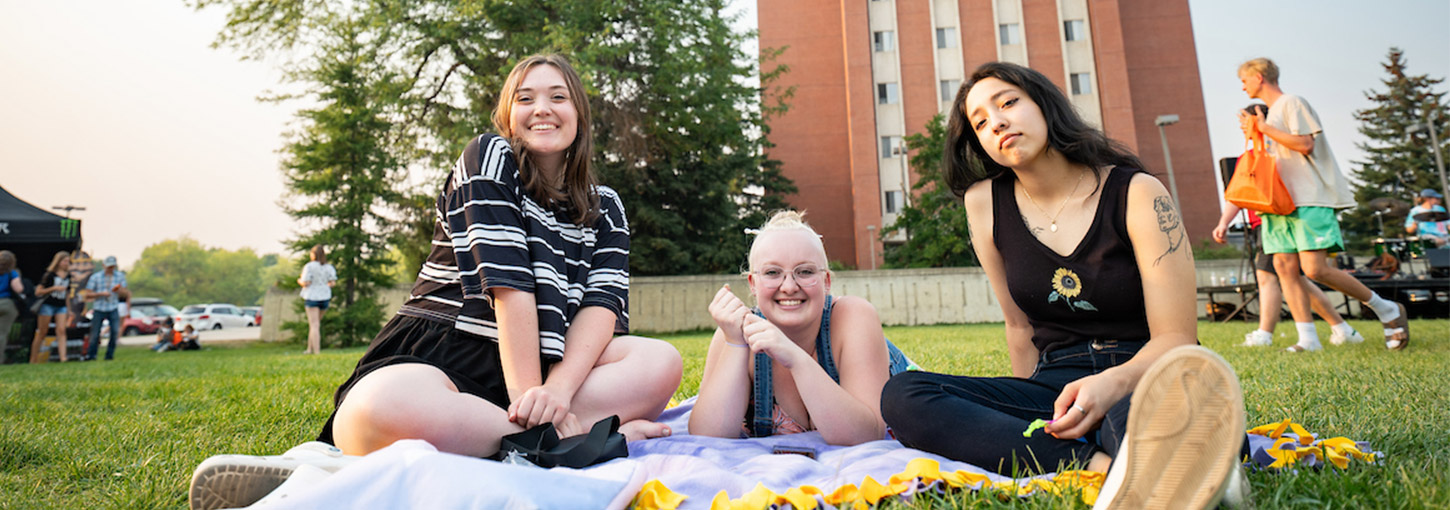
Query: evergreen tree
{"type": "Point", "coordinates": [340, 174]}
{"type": "Point", "coordinates": [679, 128]}
{"type": "Point", "coordinates": [936, 221]}
{"type": "Point", "coordinates": [1399, 165]}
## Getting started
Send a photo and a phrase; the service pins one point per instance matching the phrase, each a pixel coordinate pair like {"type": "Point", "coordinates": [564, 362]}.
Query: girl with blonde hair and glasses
{"type": "Point", "coordinates": [778, 369]}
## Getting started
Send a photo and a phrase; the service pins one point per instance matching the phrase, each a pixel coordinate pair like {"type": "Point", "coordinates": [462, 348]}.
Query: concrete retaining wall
{"type": "Point", "coordinates": [904, 297]}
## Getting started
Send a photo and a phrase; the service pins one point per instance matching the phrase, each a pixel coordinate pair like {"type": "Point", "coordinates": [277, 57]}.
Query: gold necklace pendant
{"type": "Point", "coordinates": [1052, 220]}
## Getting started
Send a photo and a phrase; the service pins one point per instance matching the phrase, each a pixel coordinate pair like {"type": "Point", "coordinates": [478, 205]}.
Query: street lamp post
{"type": "Point", "coordinates": [67, 209]}
{"type": "Point", "coordinates": [1164, 120]}
{"type": "Point", "coordinates": [1434, 144]}
{"type": "Point", "coordinates": [871, 238]}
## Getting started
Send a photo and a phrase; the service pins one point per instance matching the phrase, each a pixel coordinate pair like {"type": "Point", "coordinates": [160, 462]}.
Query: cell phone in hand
{"type": "Point", "coordinates": [794, 450]}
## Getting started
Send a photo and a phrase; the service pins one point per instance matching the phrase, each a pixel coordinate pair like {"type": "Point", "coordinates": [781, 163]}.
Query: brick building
{"type": "Point", "coordinates": [868, 72]}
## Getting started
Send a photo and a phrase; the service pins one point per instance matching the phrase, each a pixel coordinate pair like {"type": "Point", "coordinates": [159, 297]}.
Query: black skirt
{"type": "Point", "coordinates": [471, 362]}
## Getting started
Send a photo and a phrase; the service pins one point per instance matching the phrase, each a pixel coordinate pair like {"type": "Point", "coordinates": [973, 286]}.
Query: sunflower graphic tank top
{"type": "Point", "coordinates": [1093, 293]}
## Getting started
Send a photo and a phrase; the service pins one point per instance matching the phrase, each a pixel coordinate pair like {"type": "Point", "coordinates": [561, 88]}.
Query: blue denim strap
{"type": "Point", "coordinates": [761, 420]}
{"type": "Point", "coordinates": [823, 344]}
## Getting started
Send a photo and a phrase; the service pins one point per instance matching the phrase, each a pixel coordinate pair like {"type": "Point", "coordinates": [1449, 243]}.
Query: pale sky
{"type": "Point", "coordinates": [124, 109]}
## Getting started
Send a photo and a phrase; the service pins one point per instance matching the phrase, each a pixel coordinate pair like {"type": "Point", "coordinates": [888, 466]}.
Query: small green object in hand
{"type": "Point", "coordinates": [1036, 424]}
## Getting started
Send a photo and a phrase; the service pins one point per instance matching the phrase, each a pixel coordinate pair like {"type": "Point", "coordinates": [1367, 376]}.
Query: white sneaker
{"type": "Point", "coordinates": [1258, 338]}
{"type": "Point", "coordinates": [1185, 429]}
{"type": "Point", "coordinates": [1338, 339]}
{"type": "Point", "coordinates": [235, 481]}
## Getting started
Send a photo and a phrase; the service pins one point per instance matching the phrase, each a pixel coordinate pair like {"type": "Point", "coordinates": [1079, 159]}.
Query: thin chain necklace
{"type": "Point", "coordinates": [1053, 218]}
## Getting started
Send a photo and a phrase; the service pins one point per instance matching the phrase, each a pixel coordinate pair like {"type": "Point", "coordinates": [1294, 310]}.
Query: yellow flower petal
{"type": "Point", "coordinates": [655, 496]}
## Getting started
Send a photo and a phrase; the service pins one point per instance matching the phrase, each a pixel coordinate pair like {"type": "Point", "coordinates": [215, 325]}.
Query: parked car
{"type": "Point", "coordinates": [255, 312]}
{"type": "Point", "coordinates": [154, 308]}
{"type": "Point", "coordinates": [146, 315]}
{"type": "Point", "coordinates": [213, 316]}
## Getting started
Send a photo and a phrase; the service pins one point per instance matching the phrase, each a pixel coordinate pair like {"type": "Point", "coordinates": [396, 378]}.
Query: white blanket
{"type": "Point", "coordinates": [412, 474]}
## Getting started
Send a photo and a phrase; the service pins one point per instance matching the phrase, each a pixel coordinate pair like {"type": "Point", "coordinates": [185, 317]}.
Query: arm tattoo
{"type": "Point", "coordinates": [1036, 231]}
{"type": "Point", "coordinates": [1170, 224]}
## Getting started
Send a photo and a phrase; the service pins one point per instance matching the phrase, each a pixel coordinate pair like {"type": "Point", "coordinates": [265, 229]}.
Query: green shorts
{"type": "Point", "coordinates": [1305, 229]}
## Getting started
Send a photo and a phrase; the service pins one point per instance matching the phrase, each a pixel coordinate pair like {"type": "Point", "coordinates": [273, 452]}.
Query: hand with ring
{"type": "Point", "coordinates": [1083, 403]}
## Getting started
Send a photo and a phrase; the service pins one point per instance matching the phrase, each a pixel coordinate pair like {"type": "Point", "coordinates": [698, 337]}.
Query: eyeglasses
{"type": "Point", "coordinates": [806, 275]}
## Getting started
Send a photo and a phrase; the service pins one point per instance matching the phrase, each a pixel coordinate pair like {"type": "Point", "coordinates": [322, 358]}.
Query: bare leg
{"type": "Point", "coordinates": [1271, 300]}
{"type": "Point", "coordinates": [417, 401]}
{"type": "Point", "coordinates": [1295, 293]}
{"type": "Point", "coordinates": [634, 378]}
{"type": "Point", "coordinates": [314, 330]}
{"type": "Point", "coordinates": [42, 327]}
{"type": "Point", "coordinates": [1319, 301]}
{"type": "Point", "coordinates": [61, 335]}
{"type": "Point", "coordinates": [1316, 267]}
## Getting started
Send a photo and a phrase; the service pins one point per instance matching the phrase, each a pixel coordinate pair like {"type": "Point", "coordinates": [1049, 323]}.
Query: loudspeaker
{"type": "Point", "coordinates": [1226, 169]}
{"type": "Point", "coordinates": [1439, 259]}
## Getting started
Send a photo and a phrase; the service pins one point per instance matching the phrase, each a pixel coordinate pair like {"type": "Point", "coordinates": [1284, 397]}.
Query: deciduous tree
{"type": "Point", "coordinates": [936, 221]}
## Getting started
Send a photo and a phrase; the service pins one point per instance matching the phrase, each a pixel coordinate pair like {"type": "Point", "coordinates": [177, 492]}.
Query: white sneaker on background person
{"type": "Point", "coordinates": [1337, 338]}
{"type": "Point", "coordinates": [1258, 338]}
{"type": "Point", "coordinates": [235, 481]}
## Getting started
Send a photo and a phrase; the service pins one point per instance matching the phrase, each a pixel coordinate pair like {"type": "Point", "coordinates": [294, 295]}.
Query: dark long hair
{"type": "Point", "coordinates": [579, 182]}
{"type": "Point", "coordinates": [965, 162]}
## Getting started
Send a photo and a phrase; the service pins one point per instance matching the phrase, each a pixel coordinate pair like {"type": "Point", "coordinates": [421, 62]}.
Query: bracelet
{"type": "Point", "coordinates": [733, 344]}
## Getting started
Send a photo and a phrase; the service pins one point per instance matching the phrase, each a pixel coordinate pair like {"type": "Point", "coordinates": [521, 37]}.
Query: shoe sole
{"type": "Point", "coordinates": [1185, 430]}
{"type": "Point", "coordinates": [231, 482]}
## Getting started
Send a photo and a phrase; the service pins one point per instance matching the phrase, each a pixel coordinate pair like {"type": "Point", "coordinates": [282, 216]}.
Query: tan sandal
{"type": "Point", "coordinates": [1397, 332]}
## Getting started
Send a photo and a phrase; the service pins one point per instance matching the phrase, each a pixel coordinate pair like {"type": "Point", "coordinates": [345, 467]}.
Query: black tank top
{"type": "Point", "coordinates": [1094, 293]}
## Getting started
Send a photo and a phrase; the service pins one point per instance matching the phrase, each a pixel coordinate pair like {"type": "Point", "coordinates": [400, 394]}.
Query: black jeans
{"type": "Point", "coordinates": [979, 420]}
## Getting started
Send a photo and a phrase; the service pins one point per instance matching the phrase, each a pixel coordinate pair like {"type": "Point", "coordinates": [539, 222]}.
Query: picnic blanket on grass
{"type": "Point", "coordinates": [684, 471]}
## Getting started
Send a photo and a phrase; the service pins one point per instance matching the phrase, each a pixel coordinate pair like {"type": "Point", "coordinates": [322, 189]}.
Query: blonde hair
{"type": "Point", "coordinates": [1262, 67]}
{"type": "Point", "coordinates": [783, 221]}
{"type": "Point", "coordinates": [55, 261]}
{"type": "Point", "coordinates": [579, 179]}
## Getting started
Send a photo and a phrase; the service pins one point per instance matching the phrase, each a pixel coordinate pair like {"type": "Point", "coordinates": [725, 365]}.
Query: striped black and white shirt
{"type": "Point", "coordinates": [490, 233]}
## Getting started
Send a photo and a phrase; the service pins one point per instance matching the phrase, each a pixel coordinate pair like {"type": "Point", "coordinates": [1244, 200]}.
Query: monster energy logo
{"type": "Point", "coordinates": [69, 228]}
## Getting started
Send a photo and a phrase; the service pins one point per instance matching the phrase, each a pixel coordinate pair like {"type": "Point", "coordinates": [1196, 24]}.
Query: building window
{"type": "Point", "coordinates": [889, 145]}
{"type": "Point", "coordinates": [1074, 30]}
{"type": "Point", "coordinates": [949, 89]}
{"type": "Point", "coordinates": [886, 93]}
{"type": "Point", "coordinates": [1011, 33]}
{"type": "Point", "coordinates": [946, 38]}
{"type": "Point", "coordinates": [1082, 83]}
{"type": "Point", "coordinates": [892, 202]}
{"type": "Point", "coordinates": [883, 41]}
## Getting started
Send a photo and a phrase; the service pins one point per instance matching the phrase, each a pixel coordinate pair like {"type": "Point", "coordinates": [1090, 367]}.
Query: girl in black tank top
{"type": "Point", "coordinates": [1091, 264]}
{"type": "Point", "coordinates": [1093, 293]}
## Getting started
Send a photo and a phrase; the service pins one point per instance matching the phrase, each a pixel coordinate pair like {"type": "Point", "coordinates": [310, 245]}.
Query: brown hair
{"type": "Point", "coordinates": [579, 183]}
{"type": "Point", "coordinates": [1262, 67]}
{"type": "Point", "coordinates": [319, 254]}
{"type": "Point", "coordinates": [55, 261]}
{"type": "Point", "coordinates": [7, 261]}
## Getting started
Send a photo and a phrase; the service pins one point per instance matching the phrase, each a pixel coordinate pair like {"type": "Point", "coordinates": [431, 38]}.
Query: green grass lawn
{"type": "Point", "coordinates": [127, 433]}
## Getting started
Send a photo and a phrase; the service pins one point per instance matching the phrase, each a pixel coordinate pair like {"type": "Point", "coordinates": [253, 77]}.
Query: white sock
{"type": "Point", "coordinates": [1307, 334]}
{"type": "Point", "coordinates": [1385, 309]}
{"type": "Point", "coordinates": [1344, 329]}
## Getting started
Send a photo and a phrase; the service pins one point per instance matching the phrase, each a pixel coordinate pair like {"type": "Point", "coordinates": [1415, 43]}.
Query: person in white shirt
{"type": "Point", "coordinates": [317, 280]}
{"type": "Point", "coordinates": [1301, 239]}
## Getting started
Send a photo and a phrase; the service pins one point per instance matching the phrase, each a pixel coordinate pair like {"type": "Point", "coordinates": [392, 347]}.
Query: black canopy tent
{"type": "Point", "coordinates": [34, 234]}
